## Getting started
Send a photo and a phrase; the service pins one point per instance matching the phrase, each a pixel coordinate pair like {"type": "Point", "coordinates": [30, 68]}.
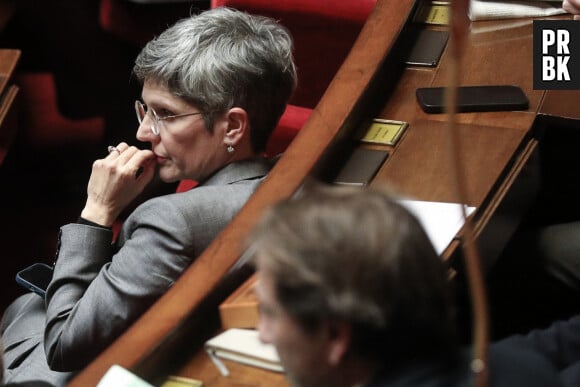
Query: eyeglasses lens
{"type": "Point", "coordinates": [141, 112]}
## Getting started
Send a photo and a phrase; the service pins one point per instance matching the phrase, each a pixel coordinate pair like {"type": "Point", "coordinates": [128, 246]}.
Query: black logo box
{"type": "Point", "coordinates": [573, 63]}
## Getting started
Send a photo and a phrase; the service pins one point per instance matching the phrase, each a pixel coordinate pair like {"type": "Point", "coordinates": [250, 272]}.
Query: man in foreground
{"type": "Point", "coordinates": [352, 293]}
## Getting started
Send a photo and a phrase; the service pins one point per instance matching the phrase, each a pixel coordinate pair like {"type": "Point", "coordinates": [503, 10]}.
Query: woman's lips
{"type": "Point", "coordinates": [160, 159]}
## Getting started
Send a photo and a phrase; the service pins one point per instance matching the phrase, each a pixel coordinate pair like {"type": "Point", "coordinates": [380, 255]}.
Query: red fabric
{"type": "Point", "coordinates": [40, 121]}
{"type": "Point", "coordinates": [291, 122]}
{"type": "Point", "coordinates": [323, 33]}
{"type": "Point", "coordinates": [138, 23]}
{"type": "Point", "coordinates": [323, 30]}
{"type": "Point", "coordinates": [115, 18]}
{"type": "Point", "coordinates": [186, 185]}
{"type": "Point", "coordinates": [353, 10]}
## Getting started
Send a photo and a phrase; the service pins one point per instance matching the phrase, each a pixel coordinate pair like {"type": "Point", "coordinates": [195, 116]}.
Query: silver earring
{"type": "Point", "coordinates": [230, 149]}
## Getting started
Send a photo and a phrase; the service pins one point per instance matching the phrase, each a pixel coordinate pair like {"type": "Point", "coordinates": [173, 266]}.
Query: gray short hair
{"type": "Point", "coordinates": [224, 58]}
{"type": "Point", "coordinates": [356, 255]}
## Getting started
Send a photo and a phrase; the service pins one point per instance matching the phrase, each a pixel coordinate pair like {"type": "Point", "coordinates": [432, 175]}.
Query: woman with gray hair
{"type": "Point", "coordinates": [214, 88]}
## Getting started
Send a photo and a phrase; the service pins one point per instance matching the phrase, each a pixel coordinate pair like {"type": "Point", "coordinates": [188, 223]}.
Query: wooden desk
{"type": "Point", "coordinates": [8, 92]}
{"type": "Point", "coordinates": [496, 145]}
{"type": "Point", "coordinates": [500, 150]}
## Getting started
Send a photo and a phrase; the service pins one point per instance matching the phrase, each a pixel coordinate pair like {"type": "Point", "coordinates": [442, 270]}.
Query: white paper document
{"type": "Point", "coordinates": [489, 10]}
{"type": "Point", "coordinates": [441, 221]}
{"type": "Point", "coordinates": [118, 376]}
{"type": "Point", "coordinates": [243, 346]}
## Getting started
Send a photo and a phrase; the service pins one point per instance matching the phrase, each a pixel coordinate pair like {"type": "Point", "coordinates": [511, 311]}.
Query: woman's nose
{"type": "Point", "coordinates": [144, 132]}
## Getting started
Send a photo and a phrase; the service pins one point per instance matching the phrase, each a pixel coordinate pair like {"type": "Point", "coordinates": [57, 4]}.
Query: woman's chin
{"type": "Point", "coordinates": [168, 177]}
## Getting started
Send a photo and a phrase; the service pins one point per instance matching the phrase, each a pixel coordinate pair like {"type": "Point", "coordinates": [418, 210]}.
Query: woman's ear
{"type": "Point", "coordinates": [238, 126]}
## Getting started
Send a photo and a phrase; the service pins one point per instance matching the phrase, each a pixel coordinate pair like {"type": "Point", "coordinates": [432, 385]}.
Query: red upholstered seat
{"type": "Point", "coordinates": [137, 23]}
{"type": "Point", "coordinates": [290, 123]}
{"type": "Point", "coordinates": [323, 30]}
{"type": "Point", "coordinates": [323, 33]}
{"type": "Point", "coordinates": [40, 121]}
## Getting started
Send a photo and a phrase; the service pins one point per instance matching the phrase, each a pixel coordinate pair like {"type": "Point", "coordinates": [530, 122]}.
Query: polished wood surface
{"type": "Point", "coordinates": [561, 103]}
{"type": "Point", "coordinates": [8, 93]}
{"type": "Point", "coordinates": [8, 62]}
{"type": "Point", "coordinates": [499, 155]}
{"type": "Point", "coordinates": [496, 146]}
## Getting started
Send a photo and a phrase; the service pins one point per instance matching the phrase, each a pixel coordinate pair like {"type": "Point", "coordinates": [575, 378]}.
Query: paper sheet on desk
{"type": "Point", "coordinates": [242, 346]}
{"type": "Point", "coordinates": [489, 10]}
{"type": "Point", "coordinates": [442, 221]}
{"type": "Point", "coordinates": [118, 376]}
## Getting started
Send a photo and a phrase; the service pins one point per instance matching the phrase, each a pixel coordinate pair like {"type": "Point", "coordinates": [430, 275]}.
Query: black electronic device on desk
{"type": "Point", "coordinates": [488, 98]}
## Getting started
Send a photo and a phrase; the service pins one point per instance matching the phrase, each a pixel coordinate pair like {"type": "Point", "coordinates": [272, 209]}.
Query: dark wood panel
{"type": "Point", "coordinates": [8, 93]}
{"type": "Point", "coordinates": [561, 103]}
{"type": "Point", "coordinates": [8, 61]}
{"type": "Point", "coordinates": [8, 124]}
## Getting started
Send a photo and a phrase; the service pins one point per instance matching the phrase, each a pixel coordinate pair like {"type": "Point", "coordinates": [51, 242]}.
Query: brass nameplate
{"type": "Point", "coordinates": [386, 132]}
{"type": "Point", "coordinates": [433, 12]}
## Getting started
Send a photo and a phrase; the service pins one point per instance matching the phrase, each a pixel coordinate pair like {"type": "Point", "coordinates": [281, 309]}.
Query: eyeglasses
{"type": "Point", "coordinates": [142, 111]}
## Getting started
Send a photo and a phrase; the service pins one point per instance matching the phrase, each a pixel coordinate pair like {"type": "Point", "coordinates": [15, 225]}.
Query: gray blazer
{"type": "Point", "coordinates": [99, 289]}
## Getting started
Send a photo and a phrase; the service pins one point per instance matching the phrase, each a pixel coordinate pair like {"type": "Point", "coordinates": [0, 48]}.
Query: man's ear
{"type": "Point", "coordinates": [238, 124]}
{"type": "Point", "coordinates": [339, 340]}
